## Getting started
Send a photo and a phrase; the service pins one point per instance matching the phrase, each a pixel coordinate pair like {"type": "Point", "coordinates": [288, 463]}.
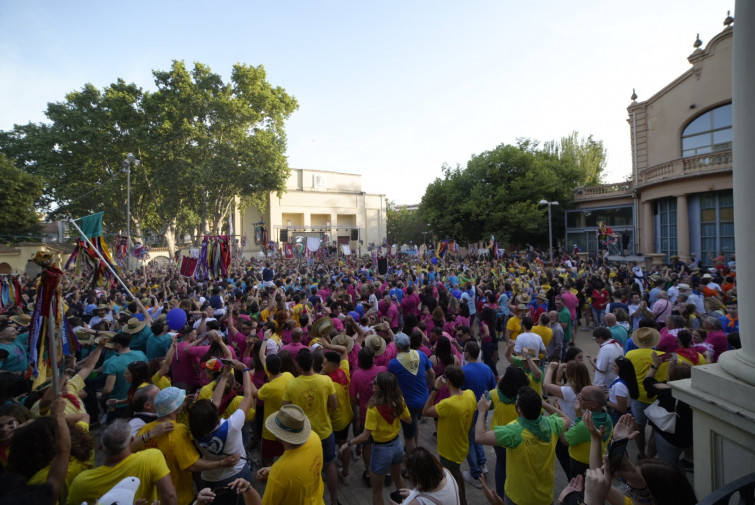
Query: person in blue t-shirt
{"type": "Point", "coordinates": [414, 372]}
{"type": "Point", "coordinates": [479, 378]}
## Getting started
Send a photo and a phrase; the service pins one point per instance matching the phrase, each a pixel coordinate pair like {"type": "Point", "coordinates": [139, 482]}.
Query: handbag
{"type": "Point", "coordinates": [662, 418]}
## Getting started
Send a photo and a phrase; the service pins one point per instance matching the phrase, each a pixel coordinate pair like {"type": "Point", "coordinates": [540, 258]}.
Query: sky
{"type": "Point", "coordinates": [391, 90]}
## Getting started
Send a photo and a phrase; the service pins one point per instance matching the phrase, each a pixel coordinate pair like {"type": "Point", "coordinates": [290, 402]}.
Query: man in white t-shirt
{"type": "Point", "coordinates": [529, 340]}
{"type": "Point", "coordinates": [610, 349]}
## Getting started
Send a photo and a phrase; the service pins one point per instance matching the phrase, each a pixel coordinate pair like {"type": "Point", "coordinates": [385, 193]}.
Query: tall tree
{"type": "Point", "coordinates": [498, 193]}
{"type": "Point", "coordinates": [405, 226]}
{"type": "Point", "coordinates": [201, 142]}
{"type": "Point", "coordinates": [18, 194]}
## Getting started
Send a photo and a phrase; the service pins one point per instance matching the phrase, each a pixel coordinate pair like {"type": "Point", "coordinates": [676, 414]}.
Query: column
{"type": "Point", "coordinates": [646, 228]}
{"type": "Point", "coordinates": [741, 363]}
{"type": "Point", "coordinates": [682, 228]}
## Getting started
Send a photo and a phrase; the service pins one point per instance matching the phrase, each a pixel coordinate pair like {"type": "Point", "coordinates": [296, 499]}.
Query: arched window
{"type": "Point", "coordinates": [708, 133]}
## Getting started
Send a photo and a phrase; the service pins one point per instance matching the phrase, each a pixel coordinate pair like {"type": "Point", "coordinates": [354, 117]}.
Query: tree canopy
{"type": "Point", "coordinates": [405, 226]}
{"type": "Point", "coordinates": [499, 191]}
{"type": "Point", "coordinates": [18, 194]}
{"type": "Point", "coordinates": [201, 142]}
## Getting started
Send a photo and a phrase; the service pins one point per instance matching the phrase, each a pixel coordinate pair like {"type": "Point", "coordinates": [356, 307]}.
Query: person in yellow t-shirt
{"type": "Point", "coordinates": [295, 476]}
{"type": "Point", "coordinates": [272, 394]}
{"type": "Point", "coordinates": [336, 366]}
{"type": "Point", "coordinates": [180, 454]}
{"type": "Point", "coordinates": [642, 359]}
{"type": "Point", "coordinates": [530, 444]}
{"type": "Point", "coordinates": [514, 324]}
{"type": "Point", "coordinates": [543, 330]}
{"type": "Point", "coordinates": [386, 411]}
{"type": "Point", "coordinates": [503, 403]}
{"type": "Point", "coordinates": [316, 394]}
{"type": "Point", "coordinates": [454, 415]}
{"type": "Point", "coordinates": [148, 466]}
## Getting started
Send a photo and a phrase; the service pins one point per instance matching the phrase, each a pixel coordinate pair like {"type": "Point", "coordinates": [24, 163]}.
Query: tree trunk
{"type": "Point", "coordinates": [170, 237]}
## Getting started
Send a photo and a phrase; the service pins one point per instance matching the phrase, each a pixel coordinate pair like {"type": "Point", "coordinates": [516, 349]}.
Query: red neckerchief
{"type": "Point", "coordinates": [339, 376]}
{"type": "Point", "coordinates": [73, 399]}
{"type": "Point", "coordinates": [387, 412]}
{"type": "Point", "coordinates": [690, 354]}
{"type": "Point", "coordinates": [226, 400]}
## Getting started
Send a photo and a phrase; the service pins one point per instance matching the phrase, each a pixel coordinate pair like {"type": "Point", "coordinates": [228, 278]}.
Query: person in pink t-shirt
{"type": "Point", "coordinates": [295, 346]}
{"type": "Point", "coordinates": [184, 369]}
{"type": "Point", "coordinates": [360, 390]}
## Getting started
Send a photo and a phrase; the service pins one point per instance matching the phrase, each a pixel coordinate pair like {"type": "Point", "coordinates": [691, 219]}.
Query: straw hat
{"type": "Point", "coordinates": [376, 343]}
{"type": "Point", "coordinates": [344, 340]}
{"type": "Point", "coordinates": [646, 338]}
{"type": "Point", "coordinates": [103, 334]}
{"type": "Point", "coordinates": [134, 326]}
{"type": "Point", "coordinates": [21, 320]}
{"type": "Point", "coordinates": [290, 424]}
{"type": "Point", "coordinates": [524, 298]}
{"type": "Point", "coordinates": [542, 295]}
{"type": "Point", "coordinates": [102, 306]}
{"type": "Point", "coordinates": [322, 327]}
{"type": "Point", "coordinates": [522, 306]}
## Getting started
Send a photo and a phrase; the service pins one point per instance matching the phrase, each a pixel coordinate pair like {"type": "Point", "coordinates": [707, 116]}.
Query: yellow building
{"type": "Point", "coordinates": [328, 205]}
{"type": "Point", "coordinates": [678, 200]}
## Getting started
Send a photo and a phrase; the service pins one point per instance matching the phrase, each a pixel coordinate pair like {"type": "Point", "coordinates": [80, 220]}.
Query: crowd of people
{"type": "Point", "coordinates": [313, 366]}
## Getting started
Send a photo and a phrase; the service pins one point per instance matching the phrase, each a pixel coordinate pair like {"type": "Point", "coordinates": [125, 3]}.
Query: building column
{"type": "Point", "coordinates": [722, 395]}
{"type": "Point", "coordinates": [682, 228]}
{"type": "Point", "coordinates": [646, 229]}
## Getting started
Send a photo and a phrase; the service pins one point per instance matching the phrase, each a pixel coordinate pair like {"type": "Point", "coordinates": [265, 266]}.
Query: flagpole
{"type": "Point", "coordinates": [89, 242]}
{"type": "Point", "coordinates": [52, 349]}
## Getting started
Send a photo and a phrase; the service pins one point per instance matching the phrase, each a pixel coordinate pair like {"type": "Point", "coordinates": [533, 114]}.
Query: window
{"type": "Point", "coordinates": [666, 210]}
{"type": "Point", "coordinates": [716, 226]}
{"type": "Point", "coordinates": [708, 133]}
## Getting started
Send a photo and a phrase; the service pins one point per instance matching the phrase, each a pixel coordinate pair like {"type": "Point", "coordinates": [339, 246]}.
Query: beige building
{"type": "Point", "coordinates": [329, 205]}
{"type": "Point", "coordinates": [678, 200]}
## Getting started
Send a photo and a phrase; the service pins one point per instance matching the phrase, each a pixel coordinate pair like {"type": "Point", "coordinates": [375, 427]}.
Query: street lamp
{"type": "Point", "coordinates": [126, 164]}
{"type": "Point", "coordinates": [550, 227]}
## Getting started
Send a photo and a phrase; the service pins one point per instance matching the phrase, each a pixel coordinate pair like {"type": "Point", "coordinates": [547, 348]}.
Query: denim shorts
{"type": "Point", "coordinates": [638, 412]}
{"type": "Point", "coordinates": [384, 455]}
{"type": "Point", "coordinates": [329, 449]}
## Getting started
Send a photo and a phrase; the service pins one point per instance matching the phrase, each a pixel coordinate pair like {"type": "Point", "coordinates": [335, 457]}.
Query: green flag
{"type": "Point", "coordinates": [91, 225]}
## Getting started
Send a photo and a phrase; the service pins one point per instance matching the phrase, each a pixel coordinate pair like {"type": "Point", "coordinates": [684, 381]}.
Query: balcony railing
{"type": "Point", "coordinates": [683, 167]}
{"type": "Point", "coordinates": [603, 190]}
{"type": "Point", "coordinates": [696, 165]}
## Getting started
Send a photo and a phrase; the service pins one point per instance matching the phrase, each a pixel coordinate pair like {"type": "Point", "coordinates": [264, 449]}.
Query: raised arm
{"type": "Point", "coordinates": [168, 357]}
{"type": "Point", "coordinates": [548, 385]}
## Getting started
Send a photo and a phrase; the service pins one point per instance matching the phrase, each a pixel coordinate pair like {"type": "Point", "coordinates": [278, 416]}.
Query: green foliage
{"type": "Point", "coordinates": [18, 194]}
{"type": "Point", "coordinates": [499, 191]}
{"type": "Point", "coordinates": [201, 142]}
{"type": "Point", "coordinates": [406, 226]}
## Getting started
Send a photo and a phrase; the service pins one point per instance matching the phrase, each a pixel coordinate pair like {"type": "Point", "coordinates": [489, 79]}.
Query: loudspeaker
{"type": "Point", "coordinates": [284, 235]}
{"type": "Point", "coordinates": [354, 234]}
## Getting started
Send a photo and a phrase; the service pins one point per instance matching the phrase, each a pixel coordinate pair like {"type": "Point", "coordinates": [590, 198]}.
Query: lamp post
{"type": "Point", "coordinates": [550, 227]}
{"type": "Point", "coordinates": [126, 164]}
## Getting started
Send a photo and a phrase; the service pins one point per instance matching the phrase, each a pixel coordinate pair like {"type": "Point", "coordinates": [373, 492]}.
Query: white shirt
{"type": "Point", "coordinates": [529, 341]}
{"type": "Point", "coordinates": [448, 495]}
{"type": "Point", "coordinates": [609, 351]}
